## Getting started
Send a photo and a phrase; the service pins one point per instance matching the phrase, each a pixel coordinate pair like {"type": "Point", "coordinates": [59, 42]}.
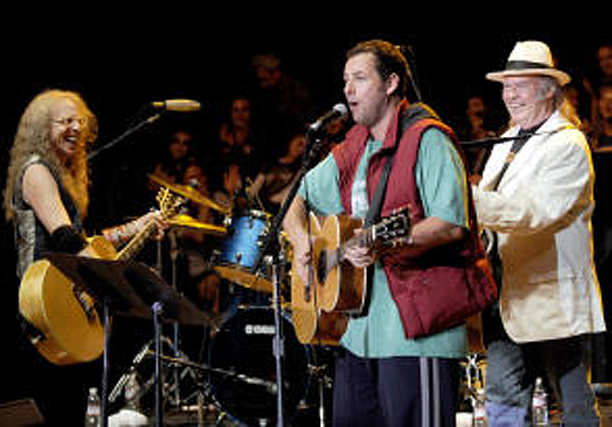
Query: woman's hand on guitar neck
{"type": "Point", "coordinates": [155, 217]}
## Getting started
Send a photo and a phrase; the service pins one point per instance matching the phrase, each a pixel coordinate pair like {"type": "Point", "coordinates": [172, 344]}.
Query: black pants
{"type": "Point", "coordinates": [395, 391]}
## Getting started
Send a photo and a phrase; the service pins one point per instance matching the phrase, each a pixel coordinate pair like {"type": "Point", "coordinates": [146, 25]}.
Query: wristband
{"type": "Point", "coordinates": [67, 239]}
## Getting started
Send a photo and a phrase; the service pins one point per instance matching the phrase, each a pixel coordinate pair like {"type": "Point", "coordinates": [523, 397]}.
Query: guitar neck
{"type": "Point", "coordinates": [135, 245]}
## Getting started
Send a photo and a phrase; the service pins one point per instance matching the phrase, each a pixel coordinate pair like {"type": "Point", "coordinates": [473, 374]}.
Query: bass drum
{"type": "Point", "coordinates": [243, 346]}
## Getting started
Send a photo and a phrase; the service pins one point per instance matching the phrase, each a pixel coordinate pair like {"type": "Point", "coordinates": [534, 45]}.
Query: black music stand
{"type": "Point", "coordinates": [130, 289]}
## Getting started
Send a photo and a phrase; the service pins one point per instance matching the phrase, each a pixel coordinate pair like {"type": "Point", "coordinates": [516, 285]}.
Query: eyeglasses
{"type": "Point", "coordinates": [70, 121]}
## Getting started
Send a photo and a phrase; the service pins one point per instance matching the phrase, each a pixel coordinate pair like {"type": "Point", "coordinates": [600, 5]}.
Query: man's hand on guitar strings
{"type": "Point", "coordinates": [304, 259]}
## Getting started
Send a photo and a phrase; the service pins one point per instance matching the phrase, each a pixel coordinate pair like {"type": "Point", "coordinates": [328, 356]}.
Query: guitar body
{"type": "Point", "coordinates": [341, 288]}
{"type": "Point", "coordinates": [64, 314]}
{"type": "Point", "coordinates": [71, 333]}
{"type": "Point", "coordinates": [321, 315]}
{"type": "Point", "coordinates": [71, 327]}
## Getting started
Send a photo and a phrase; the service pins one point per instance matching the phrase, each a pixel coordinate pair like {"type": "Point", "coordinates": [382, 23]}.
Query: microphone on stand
{"type": "Point", "coordinates": [338, 110]}
{"type": "Point", "coordinates": [180, 105]}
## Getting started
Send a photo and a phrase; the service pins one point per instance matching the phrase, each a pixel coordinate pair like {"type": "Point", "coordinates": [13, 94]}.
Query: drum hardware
{"type": "Point", "coordinates": [137, 384]}
{"type": "Point", "coordinates": [190, 193]}
{"type": "Point", "coordinates": [234, 261]}
{"type": "Point", "coordinates": [324, 382]}
{"type": "Point", "coordinates": [473, 380]}
{"type": "Point", "coordinates": [243, 368]}
{"type": "Point", "coordinates": [130, 289]}
{"type": "Point", "coordinates": [270, 386]}
{"type": "Point", "coordinates": [272, 246]}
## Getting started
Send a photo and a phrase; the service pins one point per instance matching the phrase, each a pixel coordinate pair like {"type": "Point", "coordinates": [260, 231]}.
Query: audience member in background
{"type": "Point", "coordinates": [278, 176]}
{"type": "Point", "coordinates": [175, 159]}
{"type": "Point", "coordinates": [227, 193]}
{"type": "Point", "coordinates": [199, 279]}
{"type": "Point", "coordinates": [280, 102]}
{"type": "Point", "coordinates": [603, 75]}
{"type": "Point", "coordinates": [476, 127]}
{"type": "Point", "coordinates": [601, 134]}
{"type": "Point", "coordinates": [238, 138]}
{"type": "Point", "coordinates": [577, 100]}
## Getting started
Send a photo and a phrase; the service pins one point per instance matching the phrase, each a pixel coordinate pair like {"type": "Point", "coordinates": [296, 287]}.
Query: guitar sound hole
{"type": "Point", "coordinates": [322, 267]}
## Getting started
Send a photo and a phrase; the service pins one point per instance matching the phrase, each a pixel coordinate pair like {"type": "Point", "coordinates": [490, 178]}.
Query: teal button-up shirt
{"type": "Point", "coordinates": [443, 190]}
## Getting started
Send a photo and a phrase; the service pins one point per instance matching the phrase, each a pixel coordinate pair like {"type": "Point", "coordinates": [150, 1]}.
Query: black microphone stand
{"type": "Point", "coordinates": [271, 248]}
{"type": "Point", "coordinates": [125, 134]}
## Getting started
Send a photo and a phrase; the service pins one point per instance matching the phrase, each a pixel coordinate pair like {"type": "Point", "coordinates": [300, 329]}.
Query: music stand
{"type": "Point", "coordinates": [132, 289]}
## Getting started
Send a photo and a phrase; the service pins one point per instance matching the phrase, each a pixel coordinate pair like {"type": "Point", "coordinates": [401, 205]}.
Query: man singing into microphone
{"type": "Point", "coordinates": [382, 377]}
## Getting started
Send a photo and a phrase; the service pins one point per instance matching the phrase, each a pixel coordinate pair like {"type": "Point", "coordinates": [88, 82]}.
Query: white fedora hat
{"type": "Point", "coordinates": [530, 58]}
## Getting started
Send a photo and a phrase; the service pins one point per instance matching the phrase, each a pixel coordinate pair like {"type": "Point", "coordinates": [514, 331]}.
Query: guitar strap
{"type": "Point", "coordinates": [492, 328]}
{"type": "Point", "coordinates": [373, 214]}
{"type": "Point", "coordinates": [413, 113]}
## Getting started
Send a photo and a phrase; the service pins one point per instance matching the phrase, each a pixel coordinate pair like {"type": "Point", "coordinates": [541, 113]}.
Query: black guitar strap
{"type": "Point", "coordinates": [413, 113]}
{"type": "Point", "coordinates": [373, 214]}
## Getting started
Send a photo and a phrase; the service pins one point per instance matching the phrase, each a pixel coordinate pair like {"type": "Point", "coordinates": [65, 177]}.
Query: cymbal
{"type": "Point", "coordinates": [186, 221]}
{"type": "Point", "coordinates": [190, 193]}
{"type": "Point", "coordinates": [244, 277]}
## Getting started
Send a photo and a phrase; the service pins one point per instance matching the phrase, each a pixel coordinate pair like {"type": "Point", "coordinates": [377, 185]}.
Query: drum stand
{"type": "Point", "coordinates": [181, 365]}
{"type": "Point", "coordinates": [131, 289]}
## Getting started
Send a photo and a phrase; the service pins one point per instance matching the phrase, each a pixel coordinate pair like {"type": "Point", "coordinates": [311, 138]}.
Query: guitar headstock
{"type": "Point", "coordinates": [169, 203]}
{"type": "Point", "coordinates": [394, 229]}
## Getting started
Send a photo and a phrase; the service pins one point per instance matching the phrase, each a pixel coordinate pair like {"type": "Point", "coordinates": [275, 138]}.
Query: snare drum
{"type": "Point", "coordinates": [241, 249]}
{"type": "Point", "coordinates": [243, 345]}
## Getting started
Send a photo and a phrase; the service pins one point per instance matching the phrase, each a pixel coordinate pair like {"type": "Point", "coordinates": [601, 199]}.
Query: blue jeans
{"type": "Point", "coordinates": [511, 372]}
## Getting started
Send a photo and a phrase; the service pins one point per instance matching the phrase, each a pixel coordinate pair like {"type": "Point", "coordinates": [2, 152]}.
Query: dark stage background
{"type": "Point", "coordinates": [120, 70]}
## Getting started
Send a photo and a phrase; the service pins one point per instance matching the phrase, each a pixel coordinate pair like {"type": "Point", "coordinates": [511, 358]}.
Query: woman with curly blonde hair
{"type": "Point", "coordinates": [46, 194]}
{"type": "Point", "coordinates": [34, 139]}
{"type": "Point", "coordinates": [46, 198]}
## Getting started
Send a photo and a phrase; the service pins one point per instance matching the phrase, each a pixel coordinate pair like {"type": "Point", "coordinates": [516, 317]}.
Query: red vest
{"type": "Point", "coordinates": [444, 286]}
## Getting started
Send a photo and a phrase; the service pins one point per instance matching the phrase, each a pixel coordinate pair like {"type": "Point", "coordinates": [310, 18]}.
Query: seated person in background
{"type": "Point", "coordinates": [201, 282]}
{"type": "Point", "coordinates": [601, 136]}
{"type": "Point", "coordinates": [276, 178]}
{"type": "Point", "coordinates": [172, 164]}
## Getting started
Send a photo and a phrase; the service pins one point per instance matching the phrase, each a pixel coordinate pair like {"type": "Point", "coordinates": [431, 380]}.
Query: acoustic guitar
{"type": "Point", "coordinates": [65, 315]}
{"type": "Point", "coordinates": [320, 311]}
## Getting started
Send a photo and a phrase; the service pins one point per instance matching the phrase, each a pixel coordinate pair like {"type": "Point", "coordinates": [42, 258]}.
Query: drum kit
{"type": "Point", "coordinates": [235, 383]}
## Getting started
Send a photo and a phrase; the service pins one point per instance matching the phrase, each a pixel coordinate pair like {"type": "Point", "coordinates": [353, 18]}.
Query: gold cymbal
{"type": "Point", "coordinates": [190, 193]}
{"type": "Point", "coordinates": [186, 221]}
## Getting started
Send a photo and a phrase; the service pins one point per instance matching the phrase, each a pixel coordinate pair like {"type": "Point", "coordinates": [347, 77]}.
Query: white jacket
{"type": "Point", "coordinates": [542, 213]}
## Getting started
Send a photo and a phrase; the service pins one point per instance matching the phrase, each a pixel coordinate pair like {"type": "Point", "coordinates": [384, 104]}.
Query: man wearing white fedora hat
{"type": "Point", "coordinates": [536, 197]}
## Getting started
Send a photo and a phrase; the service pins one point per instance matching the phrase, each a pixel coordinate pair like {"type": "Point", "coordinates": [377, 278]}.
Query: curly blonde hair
{"type": "Point", "coordinates": [33, 138]}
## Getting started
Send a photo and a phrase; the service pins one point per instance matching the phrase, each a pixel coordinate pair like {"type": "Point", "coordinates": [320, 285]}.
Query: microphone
{"type": "Point", "coordinates": [182, 105]}
{"type": "Point", "coordinates": [339, 110]}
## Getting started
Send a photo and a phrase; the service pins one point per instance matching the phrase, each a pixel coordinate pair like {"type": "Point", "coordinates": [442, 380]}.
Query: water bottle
{"type": "Point", "coordinates": [92, 416]}
{"type": "Point", "coordinates": [539, 404]}
{"type": "Point", "coordinates": [480, 414]}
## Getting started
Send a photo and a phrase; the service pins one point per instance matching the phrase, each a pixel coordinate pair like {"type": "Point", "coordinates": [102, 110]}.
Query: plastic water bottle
{"type": "Point", "coordinates": [480, 414]}
{"type": "Point", "coordinates": [92, 416]}
{"type": "Point", "coordinates": [539, 404]}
